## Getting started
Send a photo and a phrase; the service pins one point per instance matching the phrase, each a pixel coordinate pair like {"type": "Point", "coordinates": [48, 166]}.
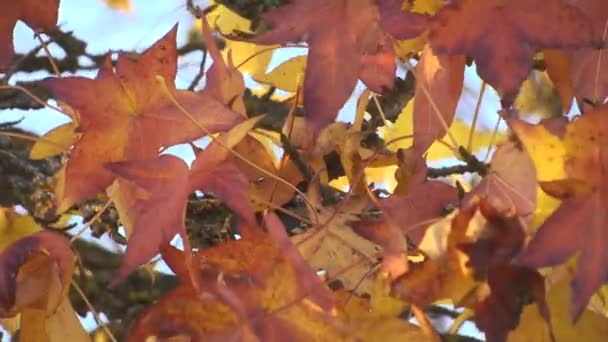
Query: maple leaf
{"type": "Point", "coordinates": [515, 29]}
{"type": "Point", "coordinates": [441, 77]}
{"type": "Point", "coordinates": [339, 49]}
{"type": "Point", "coordinates": [224, 82]}
{"type": "Point", "coordinates": [511, 288]}
{"type": "Point", "coordinates": [254, 291]}
{"type": "Point", "coordinates": [591, 326]}
{"type": "Point", "coordinates": [157, 205]}
{"type": "Point", "coordinates": [511, 183]}
{"type": "Point", "coordinates": [337, 248]}
{"type": "Point", "coordinates": [39, 15]}
{"type": "Point", "coordinates": [579, 224]}
{"type": "Point", "coordinates": [377, 316]}
{"type": "Point", "coordinates": [579, 73]}
{"type": "Point", "coordinates": [264, 190]}
{"type": "Point", "coordinates": [414, 211]}
{"type": "Point", "coordinates": [134, 118]}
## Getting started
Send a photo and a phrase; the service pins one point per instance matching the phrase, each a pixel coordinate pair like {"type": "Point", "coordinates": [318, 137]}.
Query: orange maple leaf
{"type": "Point", "coordinates": [37, 14]}
{"type": "Point", "coordinates": [133, 118]}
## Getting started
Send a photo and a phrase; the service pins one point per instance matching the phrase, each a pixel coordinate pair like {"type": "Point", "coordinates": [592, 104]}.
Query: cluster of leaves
{"type": "Point", "coordinates": [360, 259]}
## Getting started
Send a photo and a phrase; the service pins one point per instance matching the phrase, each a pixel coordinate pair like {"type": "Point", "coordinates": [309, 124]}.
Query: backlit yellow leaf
{"type": "Point", "coordinates": [590, 327]}
{"type": "Point", "coordinates": [546, 150]}
{"type": "Point", "coordinates": [14, 226]}
{"type": "Point", "coordinates": [54, 141]}
{"type": "Point", "coordinates": [288, 76]}
{"type": "Point", "coordinates": [226, 21]}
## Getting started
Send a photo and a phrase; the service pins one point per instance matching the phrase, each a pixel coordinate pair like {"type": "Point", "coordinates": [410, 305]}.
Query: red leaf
{"type": "Point", "coordinates": [37, 14]}
{"type": "Point", "coordinates": [585, 79]}
{"type": "Point", "coordinates": [224, 82]}
{"type": "Point", "coordinates": [340, 34]}
{"type": "Point", "coordinates": [510, 290]}
{"type": "Point", "coordinates": [413, 212]}
{"type": "Point", "coordinates": [580, 223]}
{"type": "Point", "coordinates": [160, 214]}
{"type": "Point", "coordinates": [133, 118]}
{"type": "Point", "coordinates": [441, 76]}
{"type": "Point", "coordinates": [503, 36]}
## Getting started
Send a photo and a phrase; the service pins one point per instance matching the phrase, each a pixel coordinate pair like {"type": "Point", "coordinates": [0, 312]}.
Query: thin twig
{"type": "Point", "coordinates": [482, 90]}
{"type": "Point", "coordinates": [93, 311]}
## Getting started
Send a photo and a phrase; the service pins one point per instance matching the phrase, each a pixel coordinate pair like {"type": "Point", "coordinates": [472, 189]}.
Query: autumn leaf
{"type": "Point", "coordinates": [134, 118]}
{"type": "Point", "coordinates": [377, 317]}
{"type": "Point", "coordinates": [415, 210]}
{"type": "Point", "coordinates": [55, 246]}
{"type": "Point", "coordinates": [511, 183]}
{"type": "Point", "coordinates": [55, 141]}
{"type": "Point", "coordinates": [590, 326]}
{"type": "Point", "coordinates": [339, 49]}
{"type": "Point", "coordinates": [162, 185]}
{"type": "Point", "coordinates": [224, 82]}
{"type": "Point", "coordinates": [253, 292]}
{"type": "Point", "coordinates": [439, 81]}
{"type": "Point", "coordinates": [510, 290]}
{"type": "Point", "coordinates": [579, 224]}
{"type": "Point", "coordinates": [584, 78]}
{"type": "Point", "coordinates": [39, 15]}
{"type": "Point", "coordinates": [457, 30]}
{"type": "Point", "coordinates": [264, 190]}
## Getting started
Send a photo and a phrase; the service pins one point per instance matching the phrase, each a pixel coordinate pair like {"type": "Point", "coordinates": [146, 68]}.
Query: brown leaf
{"type": "Point", "coordinates": [337, 249]}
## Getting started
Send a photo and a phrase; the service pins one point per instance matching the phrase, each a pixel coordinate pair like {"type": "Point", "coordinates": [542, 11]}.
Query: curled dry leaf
{"type": "Point", "coordinates": [334, 247]}
{"type": "Point", "coordinates": [36, 267]}
{"type": "Point", "coordinates": [13, 257]}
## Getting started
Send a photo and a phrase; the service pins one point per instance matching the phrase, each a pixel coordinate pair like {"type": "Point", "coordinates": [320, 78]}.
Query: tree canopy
{"type": "Point", "coordinates": [406, 221]}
